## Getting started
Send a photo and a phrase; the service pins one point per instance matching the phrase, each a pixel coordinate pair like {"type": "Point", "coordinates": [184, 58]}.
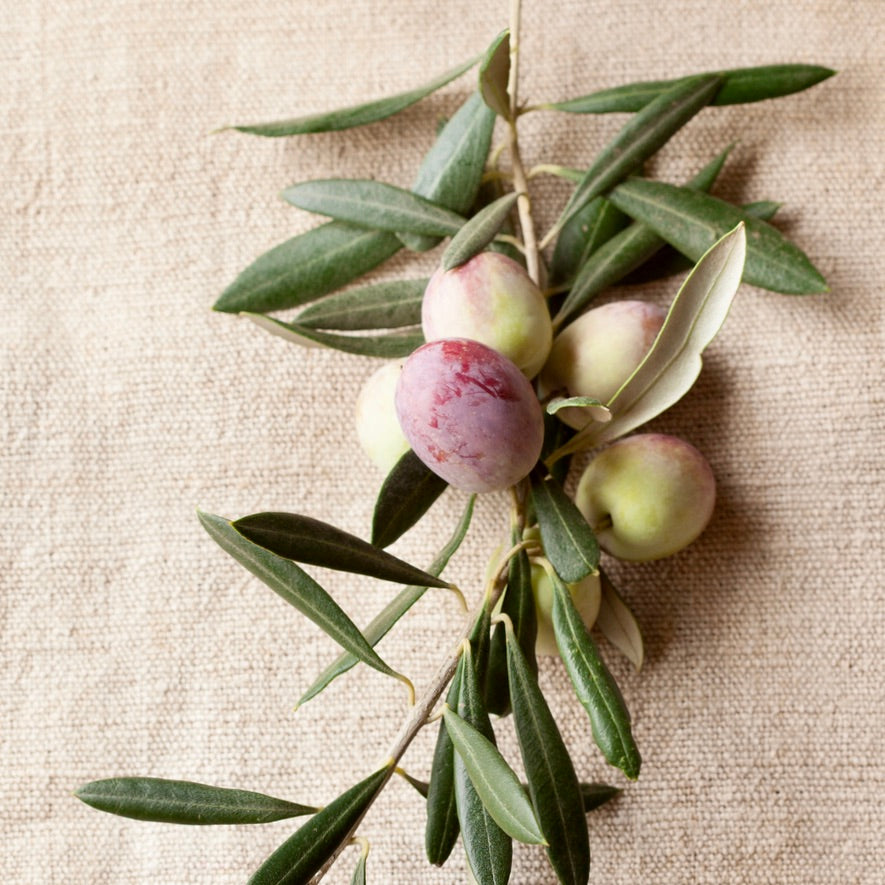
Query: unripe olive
{"type": "Point", "coordinates": [469, 414]}
{"type": "Point", "coordinates": [377, 426]}
{"type": "Point", "coordinates": [491, 299]}
{"type": "Point", "coordinates": [647, 496]}
{"type": "Point", "coordinates": [598, 352]}
{"type": "Point", "coordinates": [586, 595]}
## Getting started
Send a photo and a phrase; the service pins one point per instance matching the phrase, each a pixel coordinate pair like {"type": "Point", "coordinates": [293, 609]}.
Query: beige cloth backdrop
{"type": "Point", "coordinates": [131, 644]}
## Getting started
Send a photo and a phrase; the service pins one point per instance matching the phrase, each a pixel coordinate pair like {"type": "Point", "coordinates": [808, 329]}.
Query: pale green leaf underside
{"type": "Point", "coordinates": [390, 345]}
{"type": "Point", "coordinates": [494, 74]}
{"type": "Point", "coordinates": [618, 624]}
{"type": "Point", "coordinates": [357, 115]}
{"type": "Point", "coordinates": [674, 361]}
{"type": "Point", "coordinates": [596, 410]}
{"type": "Point", "coordinates": [495, 781]}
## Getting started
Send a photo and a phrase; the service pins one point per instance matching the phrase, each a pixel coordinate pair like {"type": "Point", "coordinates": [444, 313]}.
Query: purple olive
{"type": "Point", "coordinates": [469, 414]}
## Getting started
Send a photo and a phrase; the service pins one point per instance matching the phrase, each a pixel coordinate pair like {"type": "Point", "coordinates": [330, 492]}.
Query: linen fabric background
{"type": "Point", "coordinates": [131, 644]}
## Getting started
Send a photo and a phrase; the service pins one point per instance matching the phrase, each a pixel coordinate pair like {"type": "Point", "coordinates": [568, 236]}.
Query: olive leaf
{"type": "Point", "coordinates": [389, 305]}
{"type": "Point", "coordinates": [594, 686]}
{"type": "Point", "coordinates": [388, 345]}
{"type": "Point", "coordinates": [374, 204]}
{"type": "Point", "coordinates": [618, 624]}
{"type": "Point", "coordinates": [358, 115]}
{"type": "Point", "coordinates": [596, 409]}
{"type": "Point", "coordinates": [494, 780]}
{"type": "Point", "coordinates": [442, 827]}
{"type": "Point", "coordinates": [308, 540]}
{"type": "Point", "coordinates": [384, 621]}
{"type": "Point", "coordinates": [624, 251]}
{"type": "Point", "coordinates": [488, 847]}
{"type": "Point", "coordinates": [478, 232]}
{"type": "Point", "coordinates": [596, 795]}
{"type": "Point", "coordinates": [359, 872]}
{"type": "Point", "coordinates": [582, 235]}
{"type": "Point", "coordinates": [185, 802]}
{"type": "Point", "coordinates": [553, 784]}
{"type": "Point", "coordinates": [452, 170]}
{"type": "Point", "coordinates": [673, 363]}
{"type": "Point", "coordinates": [303, 854]}
{"type": "Point", "coordinates": [406, 495]}
{"type": "Point", "coordinates": [669, 261]}
{"type": "Point", "coordinates": [568, 540]}
{"type": "Point", "coordinates": [518, 605]}
{"type": "Point", "coordinates": [306, 267]}
{"type": "Point", "coordinates": [692, 221]}
{"type": "Point", "coordinates": [296, 587]}
{"type": "Point", "coordinates": [494, 74]}
{"type": "Point", "coordinates": [646, 132]}
{"type": "Point", "coordinates": [739, 86]}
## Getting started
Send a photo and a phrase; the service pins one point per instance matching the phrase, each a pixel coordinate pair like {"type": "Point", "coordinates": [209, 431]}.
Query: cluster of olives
{"type": "Point", "coordinates": [468, 403]}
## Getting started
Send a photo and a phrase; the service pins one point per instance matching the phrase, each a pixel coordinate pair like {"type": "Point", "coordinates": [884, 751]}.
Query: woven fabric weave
{"type": "Point", "coordinates": [130, 644]}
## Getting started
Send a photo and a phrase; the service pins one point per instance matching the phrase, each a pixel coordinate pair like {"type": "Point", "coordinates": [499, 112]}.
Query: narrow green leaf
{"type": "Point", "coordinates": [553, 784]}
{"type": "Point", "coordinates": [595, 795]}
{"type": "Point", "coordinates": [308, 540]}
{"type": "Point", "coordinates": [692, 221]}
{"type": "Point", "coordinates": [669, 261]}
{"type": "Point", "coordinates": [519, 605]}
{"type": "Point", "coordinates": [442, 827]}
{"type": "Point", "coordinates": [674, 361]}
{"type": "Point", "coordinates": [452, 170]}
{"type": "Point", "coordinates": [739, 85]}
{"type": "Point", "coordinates": [185, 802]}
{"type": "Point", "coordinates": [582, 235]}
{"type": "Point", "coordinates": [421, 787]}
{"type": "Point", "coordinates": [388, 345]}
{"type": "Point", "coordinates": [406, 495]}
{"type": "Point", "coordinates": [494, 74]}
{"type": "Point", "coordinates": [489, 849]}
{"type": "Point", "coordinates": [296, 587]}
{"type": "Point", "coordinates": [624, 252]}
{"type": "Point", "coordinates": [384, 621]}
{"type": "Point", "coordinates": [374, 204]}
{"type": "Point", "coordinates": [594, 685]}
{"type": "Point", "coordinates": [358, 115]}
{"type": "Point", "coordinates": [568, 541]}
{"type": "Point", "coordinates": [644, 134]}
{"type": "Point", "coordinates": [307, 267]}
{"type": "Point", "coordinates": [618, 624]}
{"type": "Point", "coordinates": [303, 854]}
{"type": "Point", "coordinates": [478, 232]}
{"type": "Point", "coordinates": [389, 305]}
{"type": "Point", "coordinates": [494, 780]}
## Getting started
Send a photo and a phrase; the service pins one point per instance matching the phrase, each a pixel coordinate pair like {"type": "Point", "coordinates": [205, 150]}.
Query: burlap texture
{"type": "Point", "coordinates": [132, 645]}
